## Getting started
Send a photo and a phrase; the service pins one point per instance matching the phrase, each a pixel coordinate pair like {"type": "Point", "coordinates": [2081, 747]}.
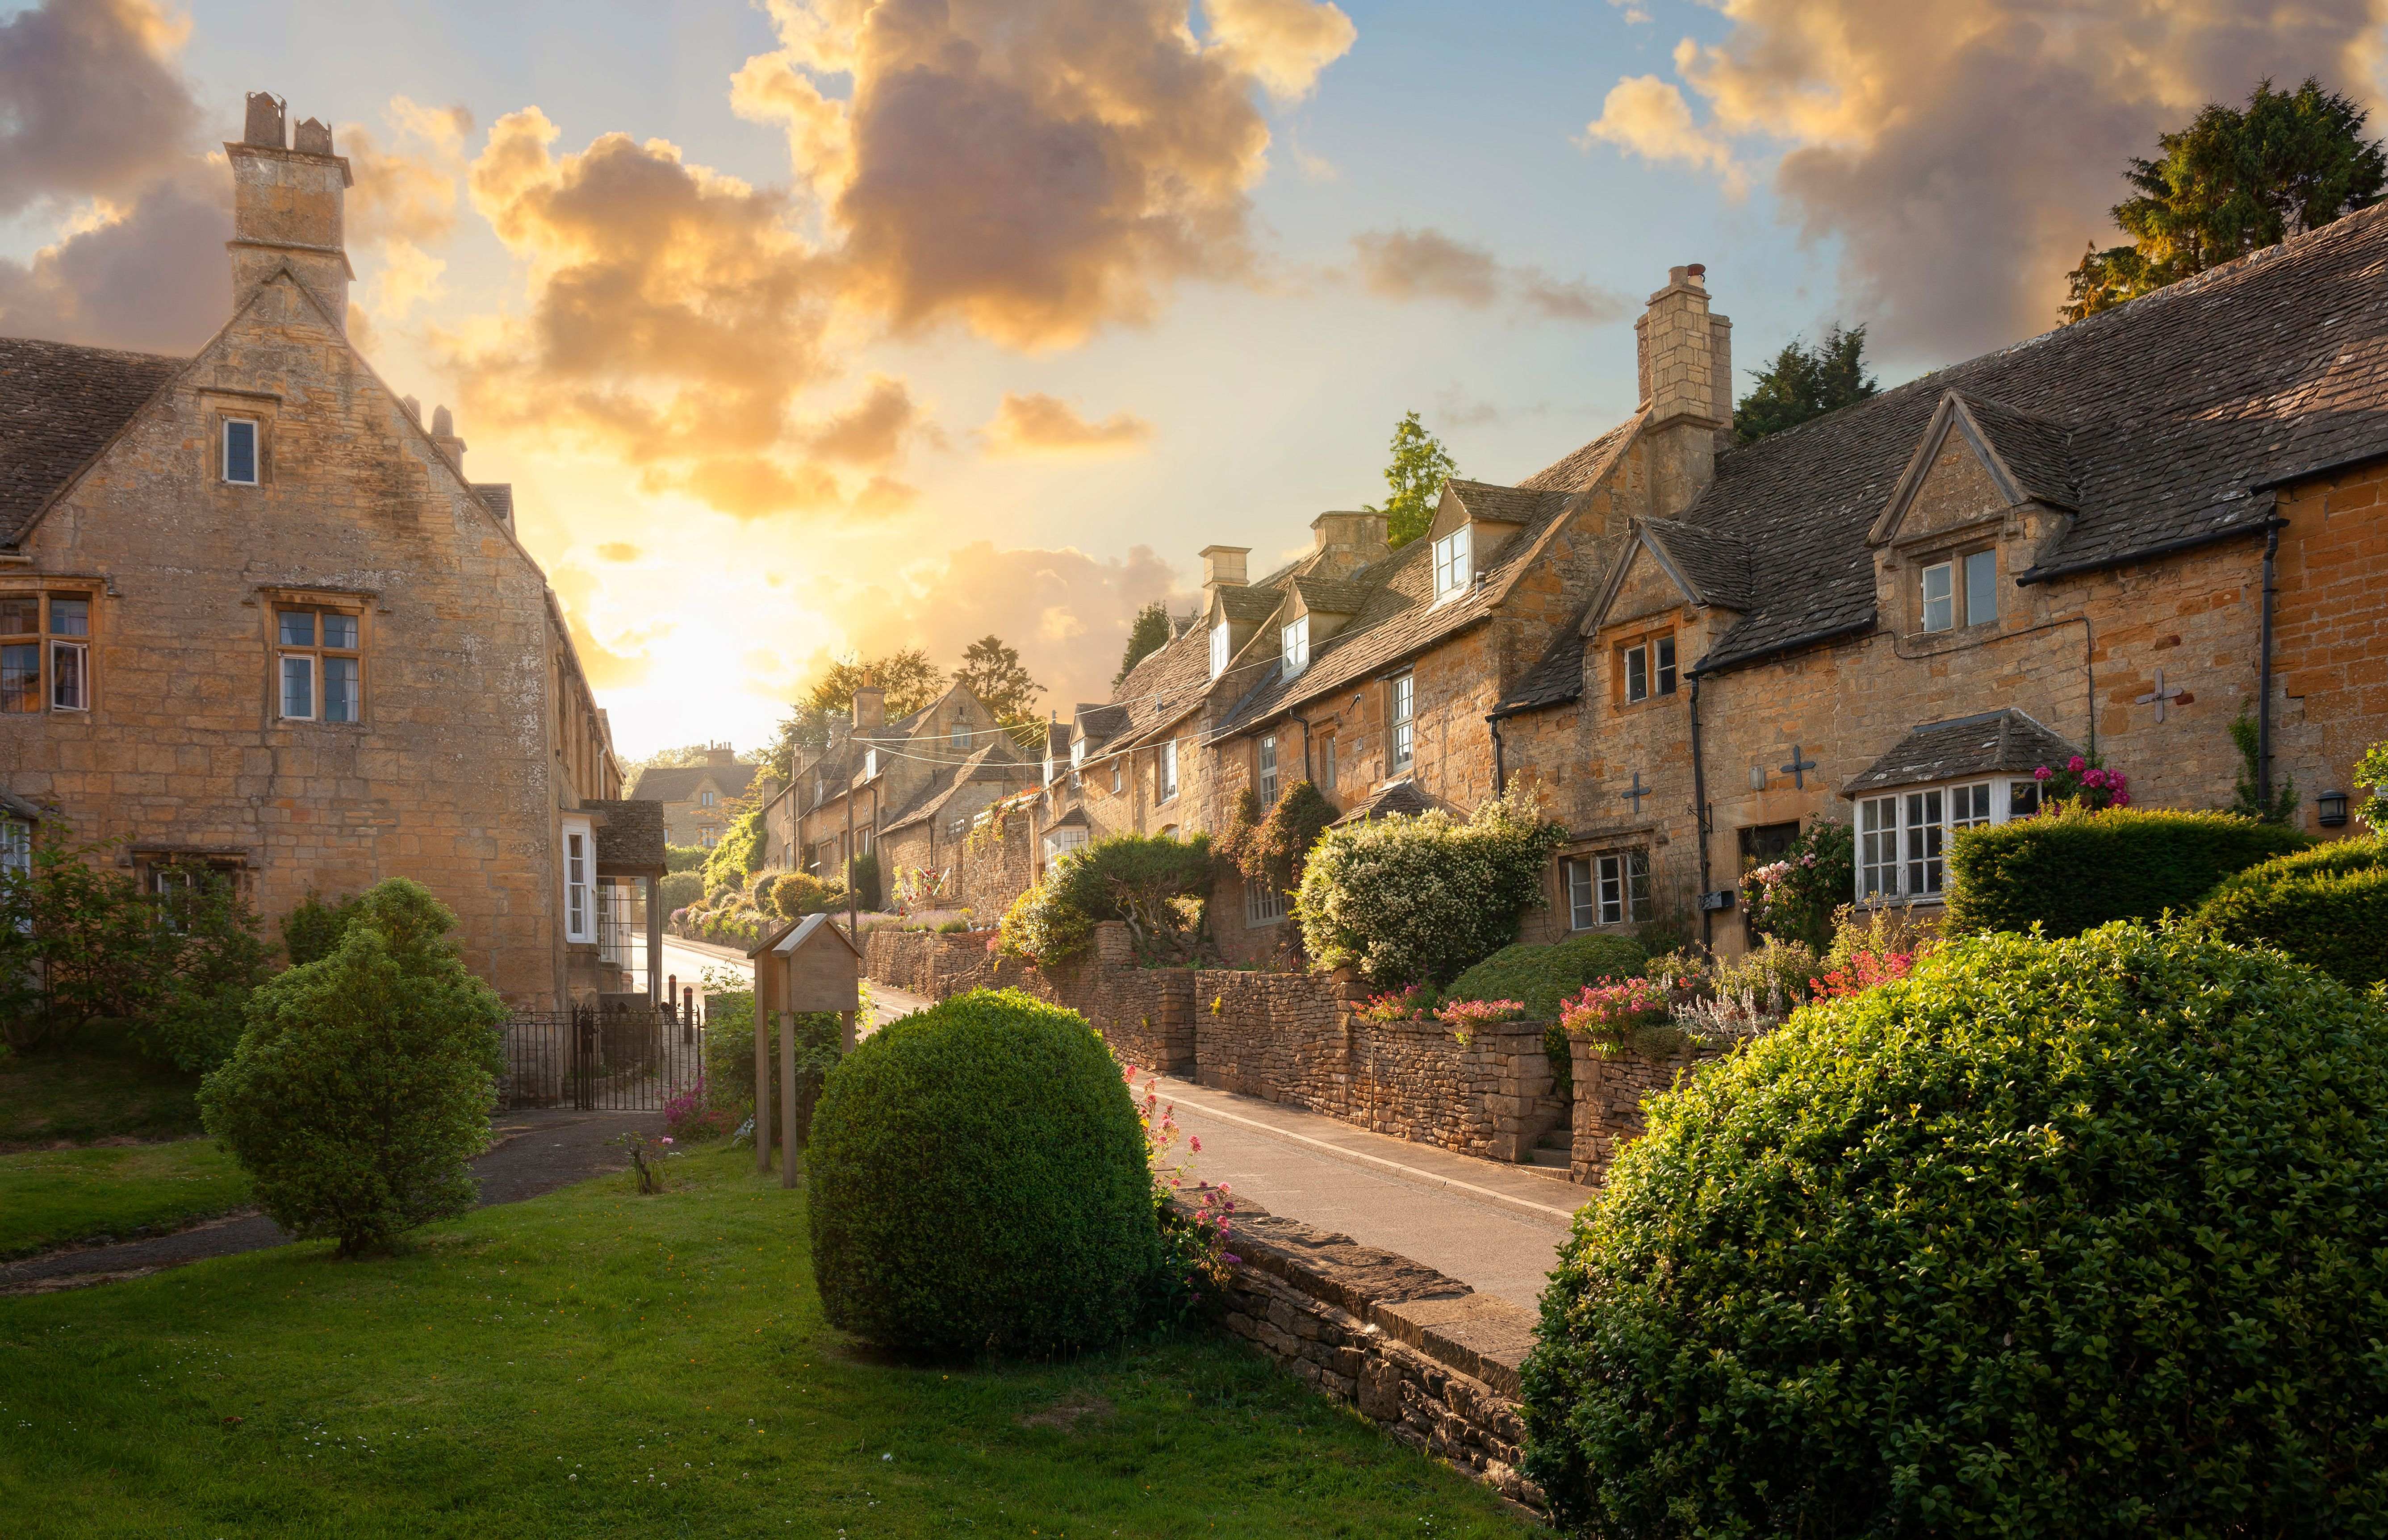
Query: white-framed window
{"type": "Point", "coordinates": [1326, 763]}
{"type": "Point", "coordinates": [1451, 563]}
{"type": "Point", "coordinates": [1061, 842]}
{"type": "Point", "coordinates": [1981, 588]}
{"type": "Point", "coordinates": [870, 764]}
{"type": "Point", "coordinates": [1165, 772]}
{"type": "Point", "coordinates": [579, 881]}
{"type": "Point", "coordinates": [240, 450]}
{"type": "Point", "coordinates": [1648, 667]}
{"type": "Point", "coordinates": [16, 846]}
{"type": "Point", "coordinates": [1940, 597]}
{"type": "Point", "coordinates": [1116, 777]}
{"type": "Point", "coordinates": [708, 799]}
{"type": "Point", "coordinates": [1265, 770]}
{"type": "Point", "coordinates": [1294, 641]}
{"type": "Point", "coordinates": [1613, 888]}
{"type": "Point", "coordinates": [1077, 756]}
{"type": "Point", "coordinates": [1960, 590]}
{"type": "Point", "coordinates": [1903, 836]}
{"type": "Point", "coordinates": [44, 652]}
{"type": "Point", "coordinates": [1263, 903]}
{"type": "Point", "coordinates": [319, 665]}
{"type": "Point", "coordinates": [1218, 650]}
{"type": "Point", "coordinates": [1401, 742]}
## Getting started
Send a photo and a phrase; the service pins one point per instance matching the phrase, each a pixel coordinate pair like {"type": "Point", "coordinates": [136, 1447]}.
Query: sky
{"type": "Point", "coordinates": [812, 328]}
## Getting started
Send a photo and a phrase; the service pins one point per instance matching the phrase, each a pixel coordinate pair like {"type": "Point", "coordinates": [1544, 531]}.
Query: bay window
{"type": "Point", "coordinates": [1902, 837]}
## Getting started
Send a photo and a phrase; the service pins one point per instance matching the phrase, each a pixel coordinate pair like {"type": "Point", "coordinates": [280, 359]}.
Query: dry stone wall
{"type": "Point", "coordinates": [1611, 1084]}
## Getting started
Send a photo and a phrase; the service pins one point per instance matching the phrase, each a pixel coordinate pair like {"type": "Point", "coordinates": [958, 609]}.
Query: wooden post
{"type": "Point", "coordinates": [787, 1098]}
{"type": "Point", "coordinates": [844, 1032]}
{"type": "Point", "coordinates": [762, 1086]}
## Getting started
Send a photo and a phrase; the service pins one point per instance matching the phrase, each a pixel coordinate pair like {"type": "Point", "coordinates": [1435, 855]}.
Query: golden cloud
{"type": "Point", "coordinates": [403, 200]}
{"type": "Point", "coordinates": [1036, 426]}
{"type": "Point", "coordinates": [1427, 264]}
{"type": "Point", "coordinates": [91, 104]}
{"type": "Point", "coordinates": [1959, 152]}
{"type": "Point", "coordinates": [1034, 171]}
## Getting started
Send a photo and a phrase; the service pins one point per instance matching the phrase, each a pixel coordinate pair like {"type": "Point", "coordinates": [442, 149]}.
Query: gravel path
{"type": "Point", "coordinates": [540, 1151]}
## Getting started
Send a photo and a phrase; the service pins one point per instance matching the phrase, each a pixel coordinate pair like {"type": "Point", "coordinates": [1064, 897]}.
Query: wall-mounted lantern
{"type": "Point", "coordinates": [2333, 809]}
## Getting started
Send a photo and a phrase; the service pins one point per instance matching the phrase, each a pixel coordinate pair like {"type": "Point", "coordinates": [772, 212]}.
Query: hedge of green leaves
{"type": "Point", "coordinates": [979, 1183]}
{"type": "Point", "coordinates": [1157, 884]}
{"type": "Point", "coordinates": [2327, 906]}
{"type": "Point", "coordinates": [2071, 871]}
{"type": "Point", "coordinates": [1421, 900]}
{"type": "Point", "coordinates": [1540, 976]}
{"type": "Point", "coordinates": [2079, 1237]}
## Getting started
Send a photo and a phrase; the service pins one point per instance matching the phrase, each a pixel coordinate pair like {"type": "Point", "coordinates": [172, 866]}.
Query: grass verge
{"type": "Point", "coordinates": [57, 1197]}
{"type": "Point", "coordinates": [594, 1363]}
{"type": "Point", "coordinates": [74, 1097]}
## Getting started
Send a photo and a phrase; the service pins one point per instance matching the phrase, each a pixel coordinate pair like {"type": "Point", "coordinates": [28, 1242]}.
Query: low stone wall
{"type": "Point", "coordinates": [1420, 1354]}
{"type": "Point", "coordinates": [1609, 1086]}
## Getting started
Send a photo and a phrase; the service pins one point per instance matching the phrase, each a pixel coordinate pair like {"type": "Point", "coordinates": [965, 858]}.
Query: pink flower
{"type": "Point", "coordinates": [2042, 774]}
{"type": "Point", "coordinates": [667, 1138]}
{"type": "Point", "coordinates": [1196, 1140]}
{"type": "Point", "coordinates": [2122, 798]}
{"type": "Point", "coordinates": [2093, 777]}
{"type": "Point", "coordinates": [2077, 764]}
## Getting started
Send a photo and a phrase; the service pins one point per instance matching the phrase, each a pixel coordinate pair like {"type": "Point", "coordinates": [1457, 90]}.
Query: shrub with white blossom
{"type": "Point", "coordinates": [1409, 900]}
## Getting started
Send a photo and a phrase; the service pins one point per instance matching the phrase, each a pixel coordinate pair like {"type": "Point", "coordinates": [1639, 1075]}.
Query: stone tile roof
{"type": "Point", "coordinates": [1558, 675]}
{"type": "Point", "coordinates": [1986, 743]}
{"type": "Point", "coordinates": [15, 806]}
{"type": "Point", "coordinates": [677, 783]}
{"type": "Point", "coordinates": [995, 763]}
{"type": "Point", "coordinates": [629, 837]}
{"type": "Point", "coordinates": [1254, 603]}
{"type": "Point", "coordinates": [1719, 564]}
{"type": "Point", "coordinates": [1164, 686]}
{"type": "Point", "coordinates": [1402, 797]}
{"type": "Point", "coordinates": [59, 405]}
{"type": "Point", "coordinates": [1508, 505]}
{"type": "Point", "coordinates": [1100, 724]}
{"type": "Point", "coordinates": [499, 495]}
{"type": "Point", "coordinates": [2177, 406]}
{"type": "Point", "coordinates": [1332, 596]}
{"type": "Point", "coordinates": [2036, 448]}
{"type": "Point", "coordinates": [1401, 617]}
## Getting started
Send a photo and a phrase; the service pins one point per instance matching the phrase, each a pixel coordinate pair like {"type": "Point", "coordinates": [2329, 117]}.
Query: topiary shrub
{"type": "Point", "coordinates": [1420, 900]}
{"type": "Point", "coordinates": [2052, 1237]}
{"type": "Point", "coordinates": [979, 1183]}
{"type": "Point", "coordinates": [2070, 871]}
{"type": "Point", "coordinates": [2327, 906]}
{"type": "Point", "coordinates": [796, 894]}
{"type": "Point", "coordinates": [361, 1089]}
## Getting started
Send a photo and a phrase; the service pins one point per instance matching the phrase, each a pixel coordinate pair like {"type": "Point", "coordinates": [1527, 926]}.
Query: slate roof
{"type": "Point", "coordinates": [629, 837]}
{"type": "Point", "coordinates": [1253, 602]}
{"type": "Point", "coordinates": [499, 495]}
{"type": "Point", "coordinates": [1508, 505]}
{"type": "Point", "coordinates": [2036, 448]}
{"type": "Point", "coordinates": [1986, 743]}
{"type": "Point", "coordinates": [1332, 596]}
{"type": "Point", "coordinates": [677, 783]}
{"type": "Point", "coordinates": [1401, 617]}
{"type": "Point", "coordinates": [2177, 408]}
{"type": "Point", "coordinates": [1718, 563]}
{"type": "Point", "coordinates": [59, 405]}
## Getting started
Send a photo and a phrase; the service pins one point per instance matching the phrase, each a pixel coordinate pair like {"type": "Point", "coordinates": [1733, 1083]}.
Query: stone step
{"type": "Point", "coordinates": [1543, 1154]}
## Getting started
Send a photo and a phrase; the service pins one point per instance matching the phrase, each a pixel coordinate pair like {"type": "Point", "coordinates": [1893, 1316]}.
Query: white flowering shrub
{"type": "Point", "coordinates": [1420, 900]}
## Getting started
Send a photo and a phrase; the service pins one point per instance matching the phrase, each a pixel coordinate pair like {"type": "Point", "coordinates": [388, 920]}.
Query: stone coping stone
{"type": "Point", "coordinates": [1430, 1311]}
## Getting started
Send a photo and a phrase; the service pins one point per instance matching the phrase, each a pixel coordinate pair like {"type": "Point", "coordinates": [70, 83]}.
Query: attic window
{"type": "Point", "coordinates": [870, 764]}
{"type": "Point", "coordinates": [1295, 642]}
{"type": "Point", "coordinates": [1451, 563]}
{"type": "Point", "coordinates": [1218, 650]}
{"type": "Point", "coordinates": [240, 450]}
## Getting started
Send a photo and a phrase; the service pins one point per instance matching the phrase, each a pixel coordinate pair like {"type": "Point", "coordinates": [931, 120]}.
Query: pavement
{"type": "Point", "coordinates": [538, 1150]}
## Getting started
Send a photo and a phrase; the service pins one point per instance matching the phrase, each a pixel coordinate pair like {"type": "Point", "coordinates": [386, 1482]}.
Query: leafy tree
{"type": "Point", "coordinates": [1155, 884]}
{"type": "Point", "coordinates": [1147, 634]}
{"type": "Point", "coordinates": [910, 680]}
{"type": "Point", "coordinates": [992, 672]}
{"type": "Point", "coordinates": [1804, 382]}
{"type": "Point", "coordinates": [1419, 466]}
{"type": "Point", "coordinates": [361, 1089]}
{"type": "Point", "coordinates": [2234, 181]}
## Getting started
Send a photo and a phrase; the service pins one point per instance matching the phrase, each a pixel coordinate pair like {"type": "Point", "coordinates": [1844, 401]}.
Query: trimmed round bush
{"type": "Point", "coordinates": [2080, 1237]}
{"type": "Point", "coordinates": [2327, 906]}
{"type": "Point", "coordinates": [361, 1089]}
{"type": "Point", "coordinates": [1540, 976]}
{"type": "Point", "coordinates": [2068, 872]}
{"type": "Point", "coordinates": [680, 890]}
{"type": "Point", "coordinates": [979, 1183]}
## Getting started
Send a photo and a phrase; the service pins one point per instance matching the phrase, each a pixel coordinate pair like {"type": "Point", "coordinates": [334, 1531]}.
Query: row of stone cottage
{"type": "Point", "coordinates": [254, 617]}
{"type": "Point", "coordinates": [2113, 539]}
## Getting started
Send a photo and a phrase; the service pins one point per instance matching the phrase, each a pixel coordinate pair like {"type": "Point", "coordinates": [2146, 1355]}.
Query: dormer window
{"type": "Point", "coordinates": [1295, 642]}
{"type": "Point", "coordinates": [1649, 667]}
{"type": "Point", "coordinates": [240, 450]}
{"type": "Point", "coordinates": [870, 764]}
{"type": "Point", "coordinates": [1451, 563]}
{"type": "Point", "coordinates": [1960, 590]}
{"type": "Point", "coordinates": [1218, 650]}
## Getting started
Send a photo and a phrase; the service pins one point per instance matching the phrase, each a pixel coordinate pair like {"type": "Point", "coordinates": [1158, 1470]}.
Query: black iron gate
{"type": "Point", "coordinates": [619, 1059]}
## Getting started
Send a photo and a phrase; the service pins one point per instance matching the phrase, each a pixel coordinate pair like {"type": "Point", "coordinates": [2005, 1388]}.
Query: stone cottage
{"type": "Point", "coordinates": [2112, 540]}
{"type": "Point", "coordinates": [253, 615]}
{"type": "Point", "coordinates": [696, 797]}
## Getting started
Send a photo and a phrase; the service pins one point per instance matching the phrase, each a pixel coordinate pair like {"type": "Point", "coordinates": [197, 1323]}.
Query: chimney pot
{"type": "Point", "coordinates": [442, 424]}
{"type": "Point", "coordinates": [313, 137]}
{"type": "Point", "coordinates": [264, 124]}
{"type": "Point", "coordinates": [1697, 270]}
{"type": "Point", "coordinates": [413, 408]}
{"type": "Point", "coordinates": [1223, 566]}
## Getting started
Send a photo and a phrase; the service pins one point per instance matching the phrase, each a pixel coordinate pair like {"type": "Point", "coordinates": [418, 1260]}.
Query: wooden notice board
{"type": "Point", "coordinates": [806, 966]}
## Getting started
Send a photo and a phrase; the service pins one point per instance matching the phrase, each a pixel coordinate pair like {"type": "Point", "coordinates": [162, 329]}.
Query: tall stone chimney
{"type": "Point", "coordinates": [1684, 354]}
{"type": "Point", "coordinates": [721, 753]}
{"type": "Point", "coordinates": [286, 207]}
{"type": "Point", "coordinates": [444, 433]}
{"type": "Point", "coordinates": [1222, 567]}
{"type": "Point", "coordinates": [869, 709]}
{"type": "Point", "coordinates": [1349, 540]}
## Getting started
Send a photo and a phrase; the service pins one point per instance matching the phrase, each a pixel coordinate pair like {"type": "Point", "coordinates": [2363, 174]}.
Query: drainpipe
{"type": "Point", "coordinates": [2264, 667]}
{"type": "Point", "coordinates": [1700, 819]}
{"type": "Point", "coordinates": [849, 861]}
{"type": "Point", "coordinates": [1500, 765]}
{"type": "Point", "coordinates": [1303, 723]}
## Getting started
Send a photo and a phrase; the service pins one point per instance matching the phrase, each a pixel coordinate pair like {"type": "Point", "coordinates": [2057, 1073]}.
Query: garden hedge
{"type": "Point", "coordinates": [1420, 900]}
{"type": "Point", "coordinates": [2078, 1237]}
{"type": "Point", "coordinates": [1540, 976]}
{"type": "Point", "coordinates": [980, 1183]}
{"type": "Point", "coordinates": [2327, 906]}
{"type": "Point", "coordinates": [2069, 872]}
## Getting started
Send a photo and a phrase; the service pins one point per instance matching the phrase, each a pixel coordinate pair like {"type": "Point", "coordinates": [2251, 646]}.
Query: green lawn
{"type": "Point", "coordinates": [51, 1197]}
{"type": "Point", "coordinates": [594, 1363]}
{"type": "Point", "coordinates": [54, 1097]}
